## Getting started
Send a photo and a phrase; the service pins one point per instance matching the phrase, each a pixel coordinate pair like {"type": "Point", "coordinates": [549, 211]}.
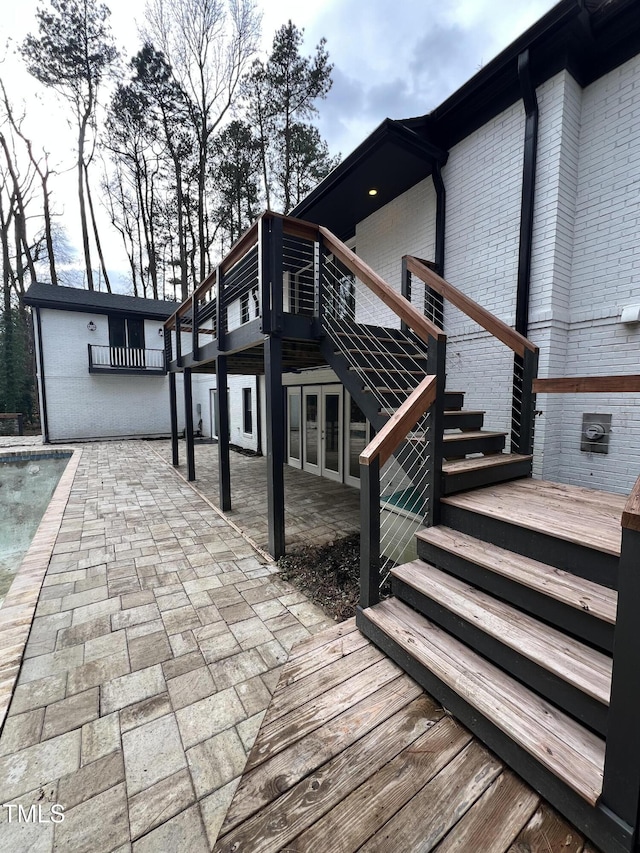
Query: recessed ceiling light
{"type": "Point", "coordinates": [373, 191]}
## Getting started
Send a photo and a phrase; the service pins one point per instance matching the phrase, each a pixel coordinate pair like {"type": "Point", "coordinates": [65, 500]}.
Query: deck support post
{"type": "Point", "coordinates": [173, 407]}
{"type": "Point", "coordinates": [621, 784]}
{"type": "Point", "coordinates": [370, 533]}
{"type": "Point", "coordinates": [275, 445]}
{"type": "Point", "coordinates": [188, 422]}
{"type": "Point", "coordinates": [436, 366]}
{"type": "Point", "coordinates": [523, 407]}
{"type": "Point", "coordinates": [222, 424]}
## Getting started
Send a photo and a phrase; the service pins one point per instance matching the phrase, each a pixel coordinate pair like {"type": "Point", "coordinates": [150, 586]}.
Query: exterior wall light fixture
{"type": "Point", "coordinates": [91, 326]}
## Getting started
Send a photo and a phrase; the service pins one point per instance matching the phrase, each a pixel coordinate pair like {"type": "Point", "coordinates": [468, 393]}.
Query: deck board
{"type": "Point", "coordinates": [375, 761]}
{"type": "Point", "coordinates": [583, 516]}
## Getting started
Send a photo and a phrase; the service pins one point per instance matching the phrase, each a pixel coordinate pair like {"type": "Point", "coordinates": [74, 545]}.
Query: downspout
{"type": "Point", "coordinates": [528, 192]}
{"type": "Point", "coordinates": [43, 392]}
{"type": "Point", "coordinates": [441, 202]}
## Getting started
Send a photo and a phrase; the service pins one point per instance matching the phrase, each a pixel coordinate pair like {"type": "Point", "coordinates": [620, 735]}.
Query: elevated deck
{"type": "Point", "coordinates": [354, 755]}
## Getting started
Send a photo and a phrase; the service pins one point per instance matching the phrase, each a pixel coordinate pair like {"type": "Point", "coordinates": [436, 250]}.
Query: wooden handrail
{"type": "Point", "coordinates": [588, 385]}
{"type": "Point", "coordinates": [241, 246]}
{"type": "Point", "coordinates": [385, 442]}
{"type": "Point", "coordinates": [631, 512]}
{"type": "Point", "coordinates": [499, 329]}
{"type": "Point", "coordinates": [420, 324]}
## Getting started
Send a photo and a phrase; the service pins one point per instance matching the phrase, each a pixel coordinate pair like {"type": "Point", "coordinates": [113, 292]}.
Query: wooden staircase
{"type": "Point", "coordinates": [473, 456]}
{"type": "Point", "coordinates": [507, 617]}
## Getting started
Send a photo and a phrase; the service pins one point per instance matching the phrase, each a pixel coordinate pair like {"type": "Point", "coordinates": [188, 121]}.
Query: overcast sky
{"type": "Point", "coordinates": [392, 58]}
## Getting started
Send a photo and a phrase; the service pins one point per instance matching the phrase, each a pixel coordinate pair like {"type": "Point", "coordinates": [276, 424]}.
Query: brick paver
{"type": "Point", "coordinates": [157, 642]}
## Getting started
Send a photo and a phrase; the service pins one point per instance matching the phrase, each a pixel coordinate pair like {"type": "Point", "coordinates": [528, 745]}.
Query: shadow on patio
{"type": "Point", "coordinates": [317, 510]}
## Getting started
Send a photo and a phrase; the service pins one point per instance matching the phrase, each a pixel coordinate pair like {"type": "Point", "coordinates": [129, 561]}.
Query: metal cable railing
{"type": "Point", "coordinates": [299, 270]}
{"type": "Point", "coordinates": [390, 363]}
{"type": "Point", "coordinates": [241, 286]}
{"type": "Point", "coordinates": [480, 346]}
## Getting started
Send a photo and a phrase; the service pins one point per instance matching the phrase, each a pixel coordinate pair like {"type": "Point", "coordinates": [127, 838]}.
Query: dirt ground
{"type": "Point", "coordinates": [328, 574]}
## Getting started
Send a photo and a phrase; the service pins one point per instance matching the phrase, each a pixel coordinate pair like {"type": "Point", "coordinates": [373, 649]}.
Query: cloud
{"type": "Point", "coordinates": [403, 59]}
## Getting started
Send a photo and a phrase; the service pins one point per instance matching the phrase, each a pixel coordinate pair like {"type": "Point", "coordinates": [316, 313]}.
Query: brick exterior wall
{"type": "Point", "coordinates": [584, 249]}
{"type": "Point", "coordinates": [81, 405]}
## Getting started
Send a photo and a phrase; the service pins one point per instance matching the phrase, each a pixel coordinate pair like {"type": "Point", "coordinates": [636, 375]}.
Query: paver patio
{"type": "Point", "coordinates": [157, 642]}
{"type": "Point", "coordinates": [317, 510]}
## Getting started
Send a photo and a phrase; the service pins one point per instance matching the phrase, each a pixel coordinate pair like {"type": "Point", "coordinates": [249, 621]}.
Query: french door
{"type": "Point", "coordinates": [321, 424]}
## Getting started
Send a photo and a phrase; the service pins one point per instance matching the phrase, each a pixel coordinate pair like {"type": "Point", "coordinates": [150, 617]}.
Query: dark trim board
{"type": "Point", "coordinates": [585, 562]}
{"type": "Point", "coordinates": [601, 827]}
{"type": "Point", "coordinates": [586, 709]}
{"type": "Point", "coordinates": [43, 387]}
{"type": "Point", "coordinates": [128, 371]}
{"type": "Point", "coordinates": [570, 619]}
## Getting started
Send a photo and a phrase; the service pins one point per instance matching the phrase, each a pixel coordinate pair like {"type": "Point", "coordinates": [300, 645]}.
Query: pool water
{"type": "Point", "coordinates": [26, 487]}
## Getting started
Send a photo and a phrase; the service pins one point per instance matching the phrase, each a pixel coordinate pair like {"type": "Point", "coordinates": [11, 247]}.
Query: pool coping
{"type": "Point", "coordinates": [19, 605]}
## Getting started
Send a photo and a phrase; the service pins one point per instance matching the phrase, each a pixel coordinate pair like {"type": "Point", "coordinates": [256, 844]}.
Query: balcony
{"type": "Point", "coordinates": [126, 360]}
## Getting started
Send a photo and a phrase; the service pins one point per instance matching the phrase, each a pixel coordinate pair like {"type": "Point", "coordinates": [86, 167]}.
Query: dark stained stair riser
{"type": "Point", "coordinates": [602, 827]}
{"type": "Point", "coordinates": [453, 400]}
{"type": "Point", "coordinates": [595, 566]}
{"type": "Point", "coordinates": [578, 623]}
{"type": "Point", "coordinates": [461, 444]}
{"type": "Point", "coordinates": [588, 710]}
{"type": "Point", "coordinates": [463, 420]}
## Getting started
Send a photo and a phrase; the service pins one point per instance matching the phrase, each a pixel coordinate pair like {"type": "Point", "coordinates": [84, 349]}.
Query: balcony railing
{"type": "Point", "coordinates": [132, 360]}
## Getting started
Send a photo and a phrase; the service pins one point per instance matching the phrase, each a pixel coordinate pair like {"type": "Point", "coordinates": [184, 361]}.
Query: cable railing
{"type": "Point", "coordinates": [510, 400]}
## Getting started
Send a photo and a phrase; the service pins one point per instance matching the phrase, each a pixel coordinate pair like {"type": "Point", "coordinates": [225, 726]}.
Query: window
{"type": "Point", "coordinates": [247, 413]}
{"type": "Point", "coordinates": [126, 342]}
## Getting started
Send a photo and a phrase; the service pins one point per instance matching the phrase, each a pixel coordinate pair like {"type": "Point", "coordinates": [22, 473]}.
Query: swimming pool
{"type": "Point", "coordinates": [27, 483]}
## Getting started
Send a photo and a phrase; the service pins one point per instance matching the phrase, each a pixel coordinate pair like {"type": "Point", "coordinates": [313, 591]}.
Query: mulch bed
{"type": "Point", "coordinates": [327, 574]}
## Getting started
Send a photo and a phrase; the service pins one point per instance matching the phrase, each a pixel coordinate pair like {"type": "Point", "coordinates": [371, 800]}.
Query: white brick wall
{"type": "Point", "coordinates": [604, 278]}
{"type": "Point", "coordinates": [81, 405]}
{"type": "Point", "coordinates": [583, 265]}
{"type": "Point", "coordinates": [203, 384]}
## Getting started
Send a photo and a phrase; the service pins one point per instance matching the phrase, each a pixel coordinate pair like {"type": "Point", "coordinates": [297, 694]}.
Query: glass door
{"type": "Point", "coordinates": [294, 435]}
{"type": "Point", "coordinates": [331, 434]}
{"type": "Point", "coordinates": [311, 420]}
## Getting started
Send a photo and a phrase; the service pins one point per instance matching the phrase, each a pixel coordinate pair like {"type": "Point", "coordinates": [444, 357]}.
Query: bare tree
{"type": "Point", "coordinates": [71, 54]}
{"type": "Point", "coordinates": [209, 45]}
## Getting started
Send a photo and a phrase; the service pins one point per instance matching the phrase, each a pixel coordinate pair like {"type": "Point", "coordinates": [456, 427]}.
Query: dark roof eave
{"type": "Point", "coordinates": [387, 130]}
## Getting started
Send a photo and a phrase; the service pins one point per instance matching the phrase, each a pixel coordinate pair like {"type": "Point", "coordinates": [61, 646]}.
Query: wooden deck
{"type": "Point", "coordinates": [584, 516]}
{"type": "Point", "coordinates": [353, 755]}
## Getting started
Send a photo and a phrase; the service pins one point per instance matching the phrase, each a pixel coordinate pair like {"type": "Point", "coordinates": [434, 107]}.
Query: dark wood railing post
{"type": "Point", "coordinates": [173, 411]}
{"type": "Point", "coordinates": [621, 784]}
{"type": "Point", "coordinates": [90, 357]}
{"type": "Point", "coordinates": [405, 289]}
{"type": "Point", "coordinates": [370, 533]}
{"type": "Point", "coordinates": [436, 366]}
{"type": "Point", "coordinates": [195, 338]}
{"type": "Point", "coordinates": [188, 422]}
{"type": "Point", "coordinates": [264, 270]}
{"type": "Point", "coordinates": [178, 341]}
{"type": "Point", "coordinates": [523, 407]}
{"type": "Point", "coordinates": [275, 274]}
{"type": "Point", "coordinates": [220, 309]}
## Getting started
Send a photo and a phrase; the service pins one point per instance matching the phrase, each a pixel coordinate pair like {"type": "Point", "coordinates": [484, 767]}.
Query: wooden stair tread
{"type": "Point", "coordinates": [582, 516]}
{"type": "Point", "coordinates": [475, 463]}
{"type": "Point", "coordinates": [457, 412]}
{"type": "Point", "coordinates": [571, 752]}
{"type": "Point", "coordinates": [572, 590]}
{"type": "Point", "coordinates": [575, 663]}
{"type": "Point", "coordinates": [471, 435]}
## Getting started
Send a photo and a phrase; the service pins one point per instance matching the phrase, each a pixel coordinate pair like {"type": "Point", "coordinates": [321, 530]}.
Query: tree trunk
{"type": "Point", "coordinates": [95, 232]}
{"type": "Point", "coordinates": [47, 228]}
{"type": "Point", "coordinates": [83, 213]}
